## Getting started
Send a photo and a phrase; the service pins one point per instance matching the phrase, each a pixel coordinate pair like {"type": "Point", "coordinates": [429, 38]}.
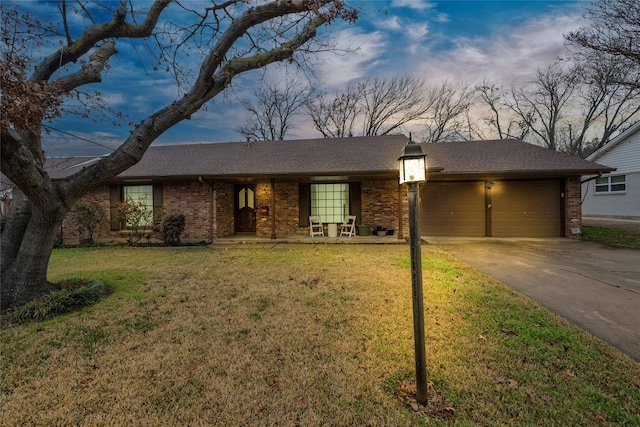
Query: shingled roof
{"type": "Point", "coordinates": [376, 155]}
{"type": "Point", "coordinates": [505, 157]}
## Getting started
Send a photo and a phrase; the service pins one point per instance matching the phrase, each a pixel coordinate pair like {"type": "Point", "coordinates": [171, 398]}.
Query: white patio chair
{"type": "Point", "coordinates": [348, 227]}
{"type": "Point", "coordinates": [315, 226]}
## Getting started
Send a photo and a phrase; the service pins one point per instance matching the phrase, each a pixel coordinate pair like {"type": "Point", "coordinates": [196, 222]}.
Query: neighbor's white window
{"type": "Point", "coordinates": [330, 201]}
{"type": "Point", "coordinates": [141, 195]}
{"type": "Point", "coordinates": [611, 184]}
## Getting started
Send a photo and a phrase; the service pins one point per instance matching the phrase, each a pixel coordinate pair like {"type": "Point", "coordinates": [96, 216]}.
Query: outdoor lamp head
{"type": "Point", "coordinates": [413, 163]}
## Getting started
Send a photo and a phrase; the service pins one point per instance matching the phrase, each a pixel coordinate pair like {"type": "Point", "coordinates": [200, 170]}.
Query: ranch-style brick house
{"type": "Point", "coordinates": [498, 188]}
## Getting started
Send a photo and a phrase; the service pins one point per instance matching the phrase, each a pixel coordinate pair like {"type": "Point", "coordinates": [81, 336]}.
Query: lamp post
{"type": "Point", "coordinates": [413, 171]}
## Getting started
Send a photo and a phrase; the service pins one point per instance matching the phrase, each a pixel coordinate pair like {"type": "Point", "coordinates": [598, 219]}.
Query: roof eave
{"type": "Point", "coordinates": [615, 141]}
{"type": "Point", "coordinates": [379, 174]}
{"type": "Point", "coordinates": [516, 174]}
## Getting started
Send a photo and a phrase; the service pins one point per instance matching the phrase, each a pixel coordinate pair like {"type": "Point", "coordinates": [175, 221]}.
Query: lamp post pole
{"type": "Point", "coordinates": [416, 287]}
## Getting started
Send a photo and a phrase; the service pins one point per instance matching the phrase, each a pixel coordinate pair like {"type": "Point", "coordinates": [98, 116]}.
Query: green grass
{"type": "Point", "coordinates": [73, 295]}
{"type": "Point", "coordinates": [612, 237]}
{"type": "Point", "coordinates": [303, 336]}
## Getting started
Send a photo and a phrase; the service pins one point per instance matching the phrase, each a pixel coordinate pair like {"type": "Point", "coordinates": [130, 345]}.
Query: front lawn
{"type": "Point", "coordinates": [302, 335]}
{"type": "Point", "coordinates": [612, 237]}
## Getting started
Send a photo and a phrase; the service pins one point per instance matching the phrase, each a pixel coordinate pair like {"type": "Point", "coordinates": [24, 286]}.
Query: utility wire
{"type": "Point", "coordinates": [79, 137]}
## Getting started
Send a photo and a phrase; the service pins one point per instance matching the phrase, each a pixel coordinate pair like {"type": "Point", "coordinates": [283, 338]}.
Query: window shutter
{"type": "Point", "coordinates": [355, 201]}
{"type": "Point", "coordinates": [304, 197]}
{"type": "Point", "coordinates": [114, 198]}
{"type": "Point", "coordinates": [157, 204]}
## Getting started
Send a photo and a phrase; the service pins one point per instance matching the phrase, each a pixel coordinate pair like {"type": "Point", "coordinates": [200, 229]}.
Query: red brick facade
{"type": "Point", "coordinates": [572, 205]}
{"type": "Point", "coordinates": [209, 208]}
{"type": "Point", "coordinates": [380, 205]}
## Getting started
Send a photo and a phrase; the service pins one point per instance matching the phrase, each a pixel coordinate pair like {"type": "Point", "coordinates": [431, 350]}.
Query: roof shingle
{"type": "Point", "coordinates": [356, 155]}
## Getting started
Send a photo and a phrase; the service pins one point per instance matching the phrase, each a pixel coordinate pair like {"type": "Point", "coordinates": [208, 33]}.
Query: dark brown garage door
{"type": "Point", "coordinates": [526, 209]}
{"type": "Point", "coordinates": [452, 209]}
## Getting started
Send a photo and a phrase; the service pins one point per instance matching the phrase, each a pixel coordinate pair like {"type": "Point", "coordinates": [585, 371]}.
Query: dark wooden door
{"type": "Point", "coordinates": [245, 212]}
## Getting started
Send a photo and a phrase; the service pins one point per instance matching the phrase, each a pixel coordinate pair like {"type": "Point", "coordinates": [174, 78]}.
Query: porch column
{"type": "Point", "coordinates": [212, 205]}
{"type": "Point", "coordinates": [273, 208]}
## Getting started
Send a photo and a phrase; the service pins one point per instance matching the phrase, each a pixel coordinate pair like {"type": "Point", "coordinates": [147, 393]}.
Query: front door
{"type": "Point", "coordinates": [245, 212]}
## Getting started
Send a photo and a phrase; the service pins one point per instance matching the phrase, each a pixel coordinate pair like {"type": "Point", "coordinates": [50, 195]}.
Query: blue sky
{"type": "Point", "coordinates": [456, 40]}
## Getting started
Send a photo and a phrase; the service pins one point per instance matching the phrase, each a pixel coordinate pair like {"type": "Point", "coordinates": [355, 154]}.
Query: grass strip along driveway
{"type": "Point", "coordinates": [302, 336]}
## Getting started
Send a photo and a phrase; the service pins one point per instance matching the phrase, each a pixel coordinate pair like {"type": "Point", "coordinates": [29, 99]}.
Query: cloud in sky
{"type": "Point", "coordinates": [357, 52]}
{"type": "Point", "coordinates": [510, 55]}
{"type": "Point", "coordinates": [412, 4]}
{"type": "Point", "coordinates": [454, 40]}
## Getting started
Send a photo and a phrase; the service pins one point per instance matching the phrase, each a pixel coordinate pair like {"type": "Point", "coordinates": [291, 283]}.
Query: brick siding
{"type": "Point", "coordinates": [380, 204]}
{"type": "Point", "coordinates": [209, 208]}
{"type": "Point", "coordinates": [223, 207]}
{"type": "Point", "coordinates": [573, 204]}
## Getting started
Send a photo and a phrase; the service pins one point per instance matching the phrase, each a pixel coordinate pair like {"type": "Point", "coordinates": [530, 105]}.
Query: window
{"type": "Point", "coordinates": [142, 195]}
{"type": "Point", "coordinates": [246, 198]}
{"type": "Point", "coordinates": [611, 184]}
{"type": "Point", "coordinates": [330, 201]}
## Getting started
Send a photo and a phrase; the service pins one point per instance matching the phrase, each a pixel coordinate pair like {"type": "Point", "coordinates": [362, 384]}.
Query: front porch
{"type": "Point", "coordinates": [297, 239]}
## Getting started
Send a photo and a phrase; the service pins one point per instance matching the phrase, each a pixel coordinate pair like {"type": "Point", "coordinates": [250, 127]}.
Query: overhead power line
{"type": "Point", "coordinates": [79, 137]}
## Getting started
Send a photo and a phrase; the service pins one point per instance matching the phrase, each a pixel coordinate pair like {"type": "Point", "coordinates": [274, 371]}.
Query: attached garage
{"type": "Point", "coordinates": [452, 209]}
{"type": "Point", "coordinates": [526, 209]}
{"type": "Point", "coordinates": [492, 208]}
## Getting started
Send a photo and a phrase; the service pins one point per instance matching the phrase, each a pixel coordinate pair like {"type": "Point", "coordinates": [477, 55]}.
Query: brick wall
{"type": "Point", "coordinates": [193, 200]}
{"type": "Point", "coordinates": [223, 207]}
{"type": "Point", "coordinates": [380, 204]}
{"type": "Point", "coordinates": [209, 208]}
{"type": "Point", "coordinates": [190, 198]}
{"type": "Point", "coordinates": [99, 196]}
{"type": "Point", "coordinates": [287, 209]}
{"type": "Point", "coordinates": [573, 204]}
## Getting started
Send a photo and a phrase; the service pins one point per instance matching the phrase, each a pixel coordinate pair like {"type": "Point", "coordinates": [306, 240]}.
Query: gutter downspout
{"type": "Point", "coordinates": [400, 213]}
{"type": "Point", "coordinates": [592, 178]}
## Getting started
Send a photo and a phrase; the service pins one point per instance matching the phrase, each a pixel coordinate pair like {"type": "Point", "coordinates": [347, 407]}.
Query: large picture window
{"type": "Point", "coordinates": [141, 195]}
{"type": "Point", "coordinates": [611, 184]}
{"type": "Point", "coordinates": [330, 201]}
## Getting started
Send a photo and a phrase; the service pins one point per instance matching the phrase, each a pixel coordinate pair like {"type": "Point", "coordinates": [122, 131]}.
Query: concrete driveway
{"type": "Point", "coordinates": [595, 287]}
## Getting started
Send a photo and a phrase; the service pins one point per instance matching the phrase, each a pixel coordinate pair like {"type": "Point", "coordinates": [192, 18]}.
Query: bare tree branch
{"type": "Point", "coordinates": [115, 29]}
{"type": "Point", "coordinates": [275, 106]}
{"type": "Point", "coordinates": [613, 33]}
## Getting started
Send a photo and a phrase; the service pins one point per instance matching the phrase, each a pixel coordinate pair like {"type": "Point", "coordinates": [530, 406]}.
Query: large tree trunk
{"type": "Point", "coordinates": [14, 229]}
{"type": "Point", "coordinates": [31, 232]}
{"type": "Point", "coordinates": [25, 258]}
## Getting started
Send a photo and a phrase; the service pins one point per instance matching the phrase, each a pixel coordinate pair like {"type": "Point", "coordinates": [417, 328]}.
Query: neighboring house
{"type": "Point", "coordinates": [617, 193]}
{"type": "Point", "coordinates": [475, 188]}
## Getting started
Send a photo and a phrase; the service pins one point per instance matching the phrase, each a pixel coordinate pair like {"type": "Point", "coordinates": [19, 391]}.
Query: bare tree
{"type": "Point", "coordinates": [603, 106]}
{"type": "Point", "coordinates": [446, 118]}
{"type": "Point", "coordinates": [576, 109]}
{"type": "Point", "coordinates": [389, 103]}
{"type": "Point", "coordinates": [613, 34]}
{"type": "Point", "coordinates": [230, 38]}
{"type": "Point", "coordinates": [378, 106]}
{"type": "Point", "coordinates": [541, 104]}
{"type": "Point", "coordinates": [273, 109]}
{"type": "Point", "coordinates": [501, 119]}
{"type": "Point", "coordinates": [335, 118]}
